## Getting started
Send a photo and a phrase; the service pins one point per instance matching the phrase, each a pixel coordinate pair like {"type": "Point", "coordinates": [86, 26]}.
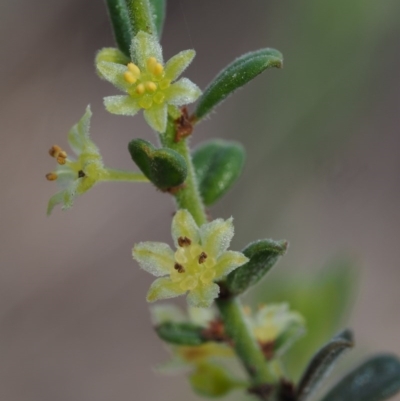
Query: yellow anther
{"type": "Point", "coordinates": [151, 86]}
{"type": "Point", "coordinates": [164, 84]}
{"type": "Point", "coordinates": [51, 176]}
{"type": "Point", "coordinates": [151, 63]}
{"type": "Point", "coordinates": [129, 77]}
{"type": "Point", "coordinates": [134, 69]}
{"type": "Point", "coordinates": [140, 89]}
{"type": "Point", "coordinates": [159, 98]}
{"type": "Point", "coordinates": [158, 69]}
{"type": "Point", "coordinates": [145, 102]}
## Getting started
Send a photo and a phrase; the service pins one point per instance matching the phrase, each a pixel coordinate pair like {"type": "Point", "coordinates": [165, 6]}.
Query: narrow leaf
{"type": "Point", "coordinates": [322, 362]}
{"type": "Point", "coordinates": [119, 16]}
{"type": "Point", "coordinates": [164, 167]}
{"type": "Point", "coordinates": [218, 164]}
{"type": "Point", "coordinates": [181, 333]}
{"type": "Point", "coordinates": [235, 75]}
{"type": "Point", "coordinates": [263, 255]}
{"type": "Point", "coordinates": [375, 380]}
{"type": "Point", "coordinates": [159, 9]}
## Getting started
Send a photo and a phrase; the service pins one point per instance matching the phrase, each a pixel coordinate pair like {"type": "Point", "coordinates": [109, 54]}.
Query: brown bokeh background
{"type": "Point", "coordinates": [323, 171]}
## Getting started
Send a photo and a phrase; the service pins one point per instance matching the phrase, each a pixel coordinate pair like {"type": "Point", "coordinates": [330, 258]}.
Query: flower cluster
{"type": "Point", "coordinates": [149, 83]}
{"type": "Point", "coordinates": [201, 259]}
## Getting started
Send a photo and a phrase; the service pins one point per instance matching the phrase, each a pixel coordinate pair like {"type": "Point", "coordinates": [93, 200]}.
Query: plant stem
{"type": "Point", "coordinates": [187, 197]}
{"type": "Point", "coordinates": [141, 17]}
{"type": "Point", "coordinates": [244, 343]}
{"type": "Point", "coordinates": [121, 175]}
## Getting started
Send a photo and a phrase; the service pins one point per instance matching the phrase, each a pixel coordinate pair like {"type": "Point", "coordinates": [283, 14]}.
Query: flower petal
{"type": "Point", "coordinates": [228, 262]}
{"type": "Point", "coordinates": [156, 117]}
{"type": "Point", "coordinates": [79, 133]}
{"type": "Point", "coordinates": [66, 197]}
{"type": "Point", "coordinates": [177, 64]}
{"type": "Point", "coordinates": [182, 92]}
{"type": "Point", "coordinates": [113, 55]}
{"type": "Point", "coordinates": [144, 46]}
{"type": "Point", "coordinates": [201, 316]}
{"type": "Point", "coordinates": [114, 73]}
{"type": "Point", "coordinates": [156, 258]}
{"type": "Point", "coordinates": [167, 313]}
{"type": "Point", "coordinates": [216, 236]}
{"type": "Point", "coordinates": [203, 295]}
{"type": "Point", "coordinates": [183, 225]}
{"type": "Point", "coordinates": [164, 288]}
{"type": "Point", "coordinates": [123, 105]}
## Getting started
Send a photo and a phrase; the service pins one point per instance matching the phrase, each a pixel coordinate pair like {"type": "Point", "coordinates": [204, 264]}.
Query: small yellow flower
{"type": "Point", "coordinates": [149, 83]}
{"type": "Point", "coordinates": [200, 259]}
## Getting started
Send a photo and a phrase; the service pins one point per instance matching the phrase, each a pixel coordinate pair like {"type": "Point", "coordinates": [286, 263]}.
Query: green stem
{"type": "Point", "coordinates": [244, 342]}
{"type": "Point", "coordinates": [187, 197]}
{"type": "Point", "coordinates": [141, 17]}
{"type": "Point", "coordinates": [121, 175]}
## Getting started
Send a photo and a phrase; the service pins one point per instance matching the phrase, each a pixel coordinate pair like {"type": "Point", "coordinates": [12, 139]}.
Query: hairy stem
{"type": "Point", "coordinates": [244, 342]}
{"type": "Point", "coordinates": [188, 197]}
{"type": "Point", "coordinates": [141, 17]}
{"type": "Point", "coordinates": [120, 175]}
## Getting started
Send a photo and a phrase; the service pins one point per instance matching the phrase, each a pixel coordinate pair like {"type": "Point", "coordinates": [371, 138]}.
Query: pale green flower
{"type": "Point", "coordinates": [200, 259]}
{"type": "Point", "coordinates": [276, 327]}
{"type": "Point", "coordinates": [76, 176]}
{"type": "Point", "coordinates": [149, 83]}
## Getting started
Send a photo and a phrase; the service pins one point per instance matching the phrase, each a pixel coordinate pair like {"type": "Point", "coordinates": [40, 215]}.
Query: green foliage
{"type": "Point", "coordinates": [211, 380]}
{"type": "Point", "coordinates": [375, 380]}
{"type": "Point", "coordinates": [218, 164]}
{"type": "Point", "coordinates": [235, 75]}
{"type": "Point", "coordinates": [159, 9]}
{"type": "Point", "coordinates": [263, 255]}
{"type": "Point", "coordinates": [119, 16]}
{"type": "Point", "coordinates": [322, 362]}
{"type": "Point", "coordinates": [181, 333]}
{"type": "Point", "coordinates": [165, 168]}
{"type": "Point", "coordinates": [327, 294]}
{"type": "Point", "coordinates": [141, 17]}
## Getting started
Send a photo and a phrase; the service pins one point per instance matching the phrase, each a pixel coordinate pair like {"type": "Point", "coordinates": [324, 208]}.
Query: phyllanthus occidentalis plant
{"type": "Point", "coordinates": [215, 330]}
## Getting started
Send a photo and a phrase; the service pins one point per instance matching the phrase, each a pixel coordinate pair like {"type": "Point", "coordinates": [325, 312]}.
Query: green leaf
{"type": "Point", "coordinates": [211, 380]}
{"type": "Point", "coordinates": [374, 380]}
{"type": "Point", "coordinates": [119, 16]}
{"type": "Point", "coordinates": [218, 164]}
{"type": "Point", "coordinates": [141, 17]}
{"type": "Point", "coordinates": [235, 75]}
{"type": "Point", "coordinates": [165, 168]}
{"type": "Point", "coordinates": [181, 333]}
{"type": "Point", "coordinates": [322, 362]}
{"type": "Point", "coordinates": [159, 9]}
{"type": "Point", "coordinates": [263, 255]}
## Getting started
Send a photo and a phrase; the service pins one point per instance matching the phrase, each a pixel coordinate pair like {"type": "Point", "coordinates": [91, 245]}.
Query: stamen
{"type": "Point", "coordinates": [151, 63]}
{"type": "Point", "coordinates": [81, 174]}
{"type": "Point", "coordinates": [129, 77]}
{"type": "Point", "coordinates": [140, 89]}
{"type": "Point", "coordinates": [202, 257]}
{"type": "Point", "coordinates": [184, 241]}
{"type": "Point", "coordinates": [151, 86]}
{"type": "Point", "coordinates": [179, 268]}
{"type": "Point", "coordinates": [134, 69]}
{"type": "Point", "coordinates": [56, 151]}
{"type": "Point", "coordinates": [51, 176]}
{"type": "Point", "coordinates": [158, 69]}
{"type": "Point", "coordinates": [61, 159]}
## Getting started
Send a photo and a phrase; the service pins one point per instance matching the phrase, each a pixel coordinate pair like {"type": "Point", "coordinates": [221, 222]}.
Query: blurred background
{"type": "Point", "coordinates": [322, 172]}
